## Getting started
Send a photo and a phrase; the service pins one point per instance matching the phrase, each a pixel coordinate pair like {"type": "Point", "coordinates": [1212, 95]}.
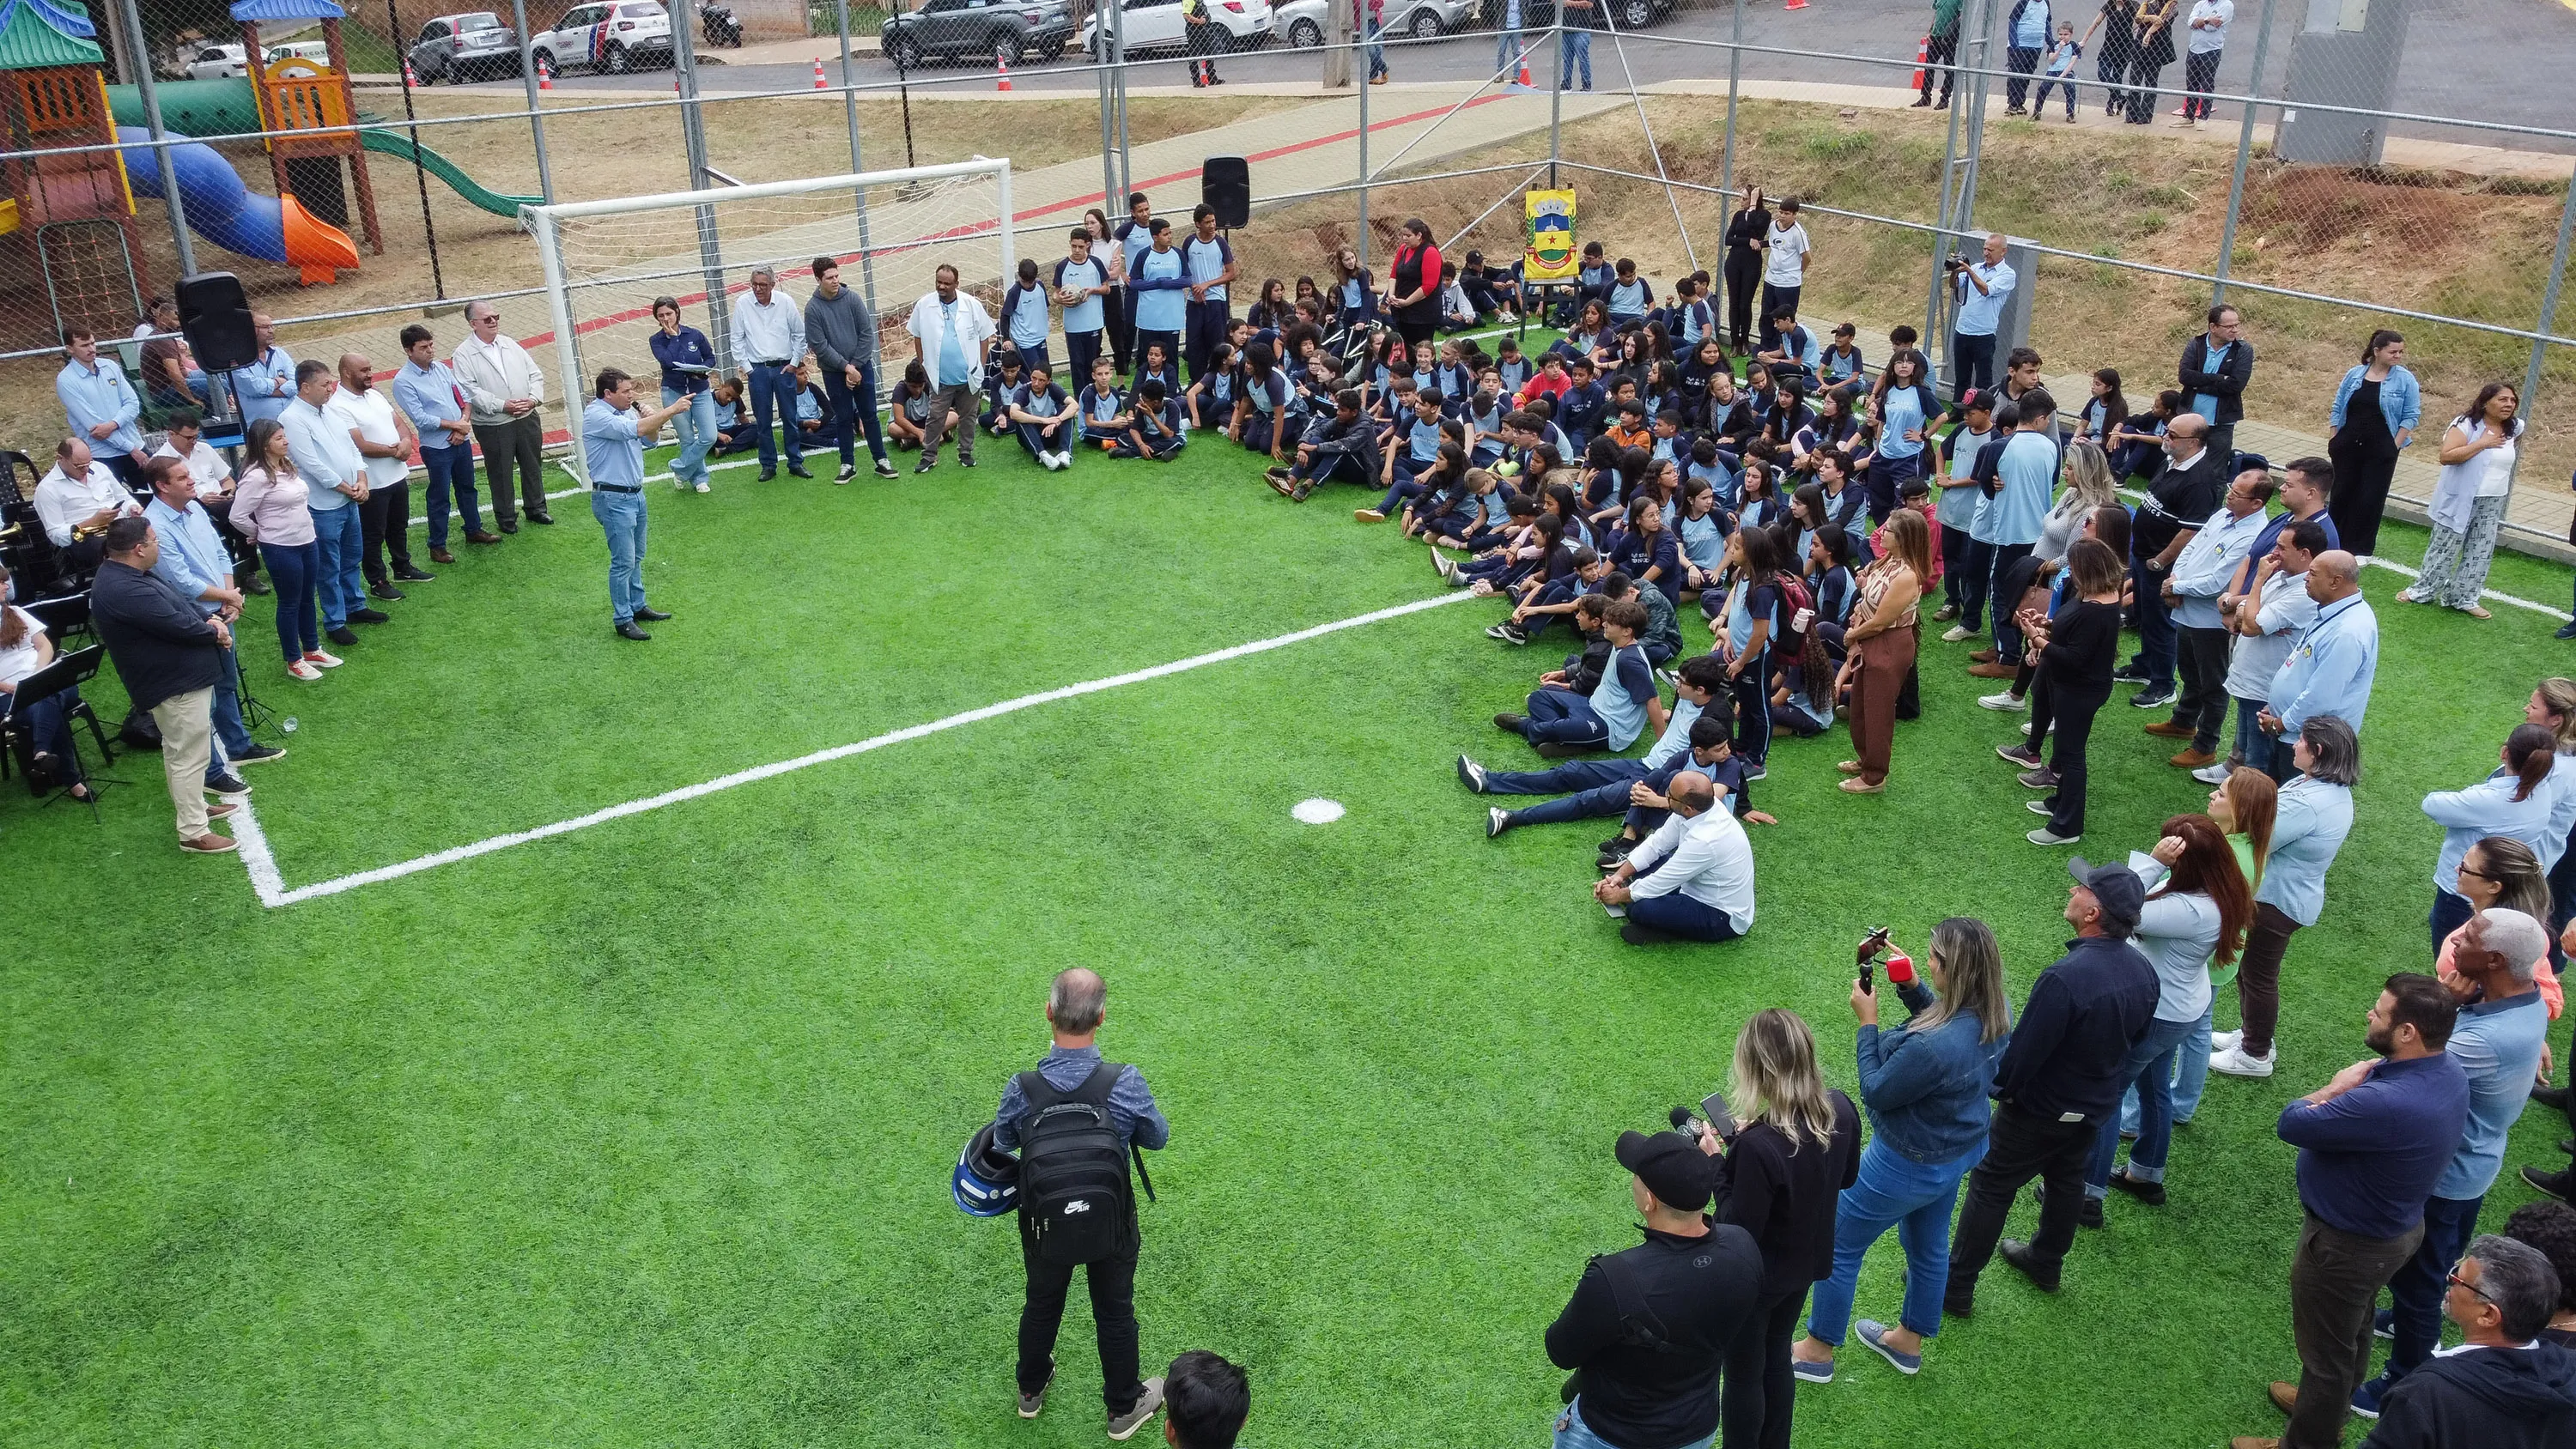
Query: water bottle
{"type": "Point", "coordinates": [288, 724]}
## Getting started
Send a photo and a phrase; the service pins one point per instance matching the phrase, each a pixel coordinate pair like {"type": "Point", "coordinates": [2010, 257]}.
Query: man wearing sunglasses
{"type": "Point", "coordinates": [2502, 1388]}
{"type": "Point", "coordinates": [506, 390]}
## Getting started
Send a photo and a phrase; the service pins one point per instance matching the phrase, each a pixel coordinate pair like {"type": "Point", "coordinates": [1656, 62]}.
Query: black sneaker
{"type": "Point", "coordinates": [259, 755]}
{"type": "Point", "coordinates": [848, 472]}
{"type": "Point", "coordinates": [1755, 771]}
{"type": "Point", "coordinates": [369, 616]}
{"type": "Point", "coordinates": [885, 469]}
{"type": "Point", "coordinates": [385, 591]}
{"type": "Point", "coordinates": [926, 464]}
{"type": "Point", "coordinates": [963, 461]}
{"type": "Point", "coordinates": [2566, 631]}
{"type": "Point", "coordinates": [2128, 674]}
{"type": "Point", "coordinates": [1471, 774]}
{"type": "Point", "coordinates": [227, 785]}
{"type": "Point", "coordinates": [2150, 1193]}
{"type": "Point", "coordinates": [1497, 820]}
{"type": "Point", "coordinates": [410, 575]}
{"type": "Point", "coordinates": [2151, 699]}
{"type": "Point", "coordinates": [343, 636]}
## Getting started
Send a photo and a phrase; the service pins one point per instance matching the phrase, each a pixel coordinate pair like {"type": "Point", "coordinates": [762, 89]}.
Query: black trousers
{"type": "Point", "coordinates": [515, 446]}
{"type": "Point", "coordinates": [1759, 1389]}
{"type": "Point", "coordinates": [385, 521]}
{"type": "Point", "coordinates": [1972, 363]}
{"type": "Point", "coordinates": [2361, 482]}
{"type": "Point", "coordinates": [1937, 58]}
{"type": "Point", "coordinates": [2076, 705]}
{"type": "Point", "coordinates": [2020, 1146]}
{"type": "Point", "coordinates": [1743, 285]}
{"type": "Point", "coordinates": [1774, 301]}
{"type": "Point", "coordinates": [1120, 310]}
{"type": "Point", "coordinates": [2203, 704]}
{"type": "Point", "coordinates": [1112, 1282]}
{"type": "Point", "coordinates": [1081, 349]}
{"type": "Point", "coordinates": [1208, 322]}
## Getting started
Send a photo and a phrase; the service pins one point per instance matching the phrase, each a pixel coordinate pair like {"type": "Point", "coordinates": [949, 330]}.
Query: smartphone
{"type": "Point", "coordinates": [1719, 1115]}
{"type": "Point", "coordinates": [1868, 974]}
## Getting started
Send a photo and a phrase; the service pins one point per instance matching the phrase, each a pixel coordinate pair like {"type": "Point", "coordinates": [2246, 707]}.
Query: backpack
{"type": "Point", "coordinates": [1076, 1202]}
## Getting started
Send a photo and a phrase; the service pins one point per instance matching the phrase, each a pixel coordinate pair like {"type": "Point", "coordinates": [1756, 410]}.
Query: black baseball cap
{"type": "Point", "coordinates": [1672, 1167]}
{"type": "Point", "coordinates": [2119, 891]}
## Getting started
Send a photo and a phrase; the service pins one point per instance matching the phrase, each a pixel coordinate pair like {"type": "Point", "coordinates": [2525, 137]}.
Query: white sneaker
{"type": "Point", "coordinates": [1957, 632]}
{"type": "Point", "coordinates": [2215, 774]}
{"type": "Point", "coordinates": [2225, 1041]}
{"type": "Point", "coordinates": [2006, 701]}
{"type": "Point", "coordinates": [2234, 1063]}
{"type": "Point", "coordinates": [704, 486]}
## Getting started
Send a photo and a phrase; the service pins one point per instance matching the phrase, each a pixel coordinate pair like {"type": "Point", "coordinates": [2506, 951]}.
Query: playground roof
{"type": "Point", "coordinates": [39, 33]}
{"type": "Point", "coordinates": [287, 10]}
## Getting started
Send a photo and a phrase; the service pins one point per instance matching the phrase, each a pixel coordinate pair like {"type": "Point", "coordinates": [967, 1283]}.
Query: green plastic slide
{"type": "Point", "coordinates": [498, 204]}
{"type": "Point", "coordinates": [225, 107]}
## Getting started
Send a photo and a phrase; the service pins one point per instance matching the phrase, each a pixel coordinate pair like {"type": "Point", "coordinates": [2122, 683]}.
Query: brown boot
{"type": "Point", "coordinates": [2192, 760]}
{"type": "Point", "coordinates": [2285, 1397]}
{"type": "Point", "coordinates": [1983, 656]}
{"type": "Point", "coordinates": [2170, 730]}
{"type": "Point", "coordinates": [1994, 671]}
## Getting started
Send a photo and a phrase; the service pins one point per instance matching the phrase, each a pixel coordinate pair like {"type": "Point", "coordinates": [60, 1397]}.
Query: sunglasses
{"type": "Point", "coordinates": [2456, 1281]}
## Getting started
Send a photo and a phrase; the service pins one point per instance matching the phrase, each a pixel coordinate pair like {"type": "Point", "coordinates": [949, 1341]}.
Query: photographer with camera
{"type": "Point", "coordinates": [1647, 1328]}
{"type": "Point", "coordinates": [1980, 288]}
{"type": "Point", "coordinates": [1924, 1084]}
{"type": "Point", "coordinates": [1075, 1122]}
{"type": "Point", "coordinates": [1779, 1175]}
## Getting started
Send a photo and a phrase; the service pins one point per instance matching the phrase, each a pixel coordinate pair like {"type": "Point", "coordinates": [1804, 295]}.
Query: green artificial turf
{"type": "Point", "coordinates": [641, 1135]}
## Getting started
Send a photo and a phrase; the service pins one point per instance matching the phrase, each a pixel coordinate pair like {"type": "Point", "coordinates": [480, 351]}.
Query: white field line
{"type": "Point", "coordinates": [271, 886]}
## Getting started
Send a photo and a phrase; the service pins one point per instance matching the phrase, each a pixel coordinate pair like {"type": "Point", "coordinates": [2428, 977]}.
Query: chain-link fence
{"type": "Point", "coordinates": [2361, 166]}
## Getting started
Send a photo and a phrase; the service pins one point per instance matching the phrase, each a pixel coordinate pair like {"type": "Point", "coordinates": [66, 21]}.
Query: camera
{"type": "Point", "coordinates": [1954, 262]}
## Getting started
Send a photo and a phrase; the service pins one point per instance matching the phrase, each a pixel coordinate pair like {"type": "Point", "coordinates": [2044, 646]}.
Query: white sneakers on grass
{"type": "Point", "coordinates": [1957, 632]}
{"type": "Point", "coordinates": [2005, 701]}
{"type": "Point", "coordinates": [2228, 1056]}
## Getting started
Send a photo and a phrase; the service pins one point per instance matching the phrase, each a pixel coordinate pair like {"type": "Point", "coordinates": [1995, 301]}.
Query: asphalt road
{"type": "Point", "coordinates": [2495, 60]}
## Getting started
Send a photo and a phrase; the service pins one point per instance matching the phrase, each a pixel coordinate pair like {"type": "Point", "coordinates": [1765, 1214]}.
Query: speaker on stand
{"type": "Point", "coordinates": [214, 315]}
{"type": "Point", "coordinates": [1225, 185]}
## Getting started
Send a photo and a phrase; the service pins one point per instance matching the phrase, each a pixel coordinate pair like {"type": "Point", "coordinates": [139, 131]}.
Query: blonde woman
{"type": "Point", "coordinates": [1925, 1085]}
{"type": "Point", "coordinates": [1882, 645]}
{"type": "Point", "coordinates": [1799, 1147]}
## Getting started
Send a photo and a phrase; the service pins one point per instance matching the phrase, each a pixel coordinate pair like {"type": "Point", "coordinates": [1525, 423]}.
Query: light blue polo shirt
{"type": "Point", "coordinates": [2027, 473]}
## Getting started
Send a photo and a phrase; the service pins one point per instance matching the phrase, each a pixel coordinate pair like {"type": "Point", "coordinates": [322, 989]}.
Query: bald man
{"type": "Point", "coordinates": [2330, 669]}
{"type": "Point", "coordinates": [1692, 880]}
{"type": "Point", "coordinates": [1982, 287]}
{"type": "Point", "coordinates": [1076, 1093]}
{"type": "Point", "coordinates": [385, 439]}
{"type": "Point", "coordinates": [2183, 496]}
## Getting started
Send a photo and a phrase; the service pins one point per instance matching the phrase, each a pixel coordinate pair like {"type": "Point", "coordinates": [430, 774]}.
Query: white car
{"type": "Point", "coordinates": [637, 36]}
{"type": "Point", "coordinates": [1156, 25]}
{"type": "Point", "coordinates": [226, 62]}
{"type": "Point", "coordinates": [1305, 23]}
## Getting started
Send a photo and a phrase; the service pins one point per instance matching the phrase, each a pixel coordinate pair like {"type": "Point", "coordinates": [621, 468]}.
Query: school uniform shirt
{"type": "Point", "coordinates": [1785, 255]}
{"type": "Point", "coordinates": [2329, 671]}
{"type": "Point", "coordinates": [953, 334]}
{"type": "Point", "coordinates": [1159, 423]}
{"type": "Point", "coordinates": [1159, 280]}
{"type": "Point", "coordinates": [1045, 404]}
{"type": "Point", "coordinates": [371, 415]}
{"type": "Point", "coordinates": [1026, 314]}
{"type": "Point", "coordinates": [1707, 857]}
{"type": "Point", "coordinates": [1085, 315]}
{"type": "Point", "coordinates": [1836, 365]}
{"type": "Point", "coordinates": [1206, 261]}
{"type": "Point", "coordinates": [1099, 406]}
{"type": "Point", "coordinates": [1629, 298]}
{"type": "Point", "coordinates": [2025, 475]}
{"type": "Point", "coordinates": [1902, 408]}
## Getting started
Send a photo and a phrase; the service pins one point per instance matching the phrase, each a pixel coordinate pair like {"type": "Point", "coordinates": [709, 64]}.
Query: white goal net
{"type": "Point", "coordinates": [607, 261]}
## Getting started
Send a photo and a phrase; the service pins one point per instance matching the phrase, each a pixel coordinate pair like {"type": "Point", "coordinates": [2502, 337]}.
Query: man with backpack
{"type": "Point", "coordinates": [1075, 1122]}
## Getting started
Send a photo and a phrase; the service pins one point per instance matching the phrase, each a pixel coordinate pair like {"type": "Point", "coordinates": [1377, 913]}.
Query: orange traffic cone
{"type": "Point", "coordinates": [1523, 81]}
{"type": "Point", "coordinates": [545, 74]}
{"type": "Point", "coordinates": [1795, 5]}
{"type": "Point", "coordinates": [819, 83]}
{"type": "Point", "coordinates": [1001, 74]}
{"type": "Point", "coordinates": [1922, 57]}
{"type": "Point", "coordinates": [409, 80]}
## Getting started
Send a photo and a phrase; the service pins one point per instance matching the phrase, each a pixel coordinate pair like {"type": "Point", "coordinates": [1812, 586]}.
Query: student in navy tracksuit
{"type": "Point", "coordinates": [1344, 448]}
{"type": "Point", "coordinates": [1027, 317]}
{"type": "Point", "coordinates": [1041, 416]}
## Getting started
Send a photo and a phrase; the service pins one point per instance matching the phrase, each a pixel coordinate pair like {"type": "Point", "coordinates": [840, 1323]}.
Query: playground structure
{"type": "Point", "coordinates": [307, 109]}
{"type": "Point", "coordinates": [72, 206]}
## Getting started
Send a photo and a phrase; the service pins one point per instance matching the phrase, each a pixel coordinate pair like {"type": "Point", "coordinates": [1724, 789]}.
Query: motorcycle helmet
{"type": "Point", "coordinates": [987, 1181]}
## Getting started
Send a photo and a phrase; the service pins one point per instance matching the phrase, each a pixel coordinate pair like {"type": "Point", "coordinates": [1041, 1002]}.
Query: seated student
{"type": "Point", "coordinates": [1700, 526]}
{"type": "Point", "coordinates": [1629, 295]}
{"type": "Point", "coordinates": [1789, 411]}
{"type": "Point", "coordinates": [1103, 406]}
{"type": "Point", "coordinates": [1831, 584]}
{"type": "Point", "coordinates": [1647, 552]}
{"type": "Point", "coordinates": [1417, 481]}
{"type": "Point", "coordinates": [1154, 427]}
{"type": "Point", "coordinates": [1268, 416]}
{"type": "Point", "coordinates": [1708, 464]}
{"type": "Point", "coordinates": [1580, 406]}
{"type": "Point", "coordinates": [1629, 428]}
{"type": "Point", "coordinates": [1595, 789]}
{"type": "Point", "coordinates": [1414, 444]}
{"type": "Point", "coordinates": [1556, 598]}
{"type": "Point", "coordinates": [1706, 359]}
{"type": "Point", "coordinates": [1443, 485]}
{"type": "Point", "coordinates": [1457, 314]}
{"type": "Point", "coordinates": [1513, 369]}
{"type": "Point", "coordinates": [1343, 449]}
{"type": "Point", "coordinates": [2137, 445]}
{"type": "Point", "coordinates": [734, 432]}
{"type": "Point", "coordinates": [1160, 367]}
{"type": "Point", "coordinates": [817, 425]}
{"type": "Point", "coordinates": [1665, 433]}
{"type": "Point", "coordinates": [1694, 319]}
{"type": "Point", "coordinates": [1915, 497]}
{"type": "Point", "coordinates": [1650, 807]}
{"type": "Point", "coordinates": [1487, 293]}
{"type": "Point", "coordinates": [908, 407]}
{"type": "Point", "coordinates": [1518, 526]}
{"type": "Point", "coordinates": [1841, 362]}
{"type": "Point", "coordinates": [1043, 419]}
{"type": "Point", "coordinates": [1535, 536]}
{"type": "Point", "coordinates": [1829, 427]}
{"type": "Point", "coordinates": [1000, 381]}
{"type": "Point", "coordinates": [1273, 311]}
{"type": "Point", "coordinates": [1690, 880]}
{"type": "Point", "coordinates": [1793, 349]}
{"type": "Point", "coordinates": [1454, 376]}
{"type": "Point", "coordinates": [1559, 721]}
{"type": "Point", "coordinates": [1482, 411]}
{"type": "Point", "coordinates": [1476, 508]}
{"type": "Point", "coordinates": [1662, 636]}
{"type": "Point", "coordinates": [1211, 398]}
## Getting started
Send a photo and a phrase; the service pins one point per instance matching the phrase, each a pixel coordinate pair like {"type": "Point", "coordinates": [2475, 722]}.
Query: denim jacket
{"type": "Point", "coordinates": [1925, 1091]}
{"type": "Point", "coordinates": [2401, 400]}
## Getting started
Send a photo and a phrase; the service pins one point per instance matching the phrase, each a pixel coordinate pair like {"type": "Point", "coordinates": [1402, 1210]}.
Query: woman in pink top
{"type": "Point", "coordinates": [269, 510]}
{"type": "Point", "coordinates": [2501, 871]}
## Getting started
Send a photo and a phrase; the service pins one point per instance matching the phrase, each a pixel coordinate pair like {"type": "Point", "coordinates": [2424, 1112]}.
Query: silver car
{"type": "Point", "coordinates": [1304, 22]}
{"type": "Point", "coordinates": [471, 46]}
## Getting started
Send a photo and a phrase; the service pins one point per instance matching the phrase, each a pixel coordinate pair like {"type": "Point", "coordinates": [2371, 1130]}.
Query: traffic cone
{"type": "Point", "coordinates": [409, 80]}
{"type": "Point", "coordinates": [1001, 74]}
{"type": "Point", "coordinates": [545, 74]}
{"type": "Point", "coordinates": [1795, 5]}
{"type": "Point", "coordinates": [1523, 81]}
{"type": "Point", "coordinates": [1922, 57]}
{"type": "Point", "coordinates": [819, 83]}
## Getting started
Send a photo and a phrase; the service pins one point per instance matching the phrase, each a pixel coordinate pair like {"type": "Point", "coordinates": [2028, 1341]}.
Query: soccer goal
{"type": "Point", "coordinates": [606, 261]}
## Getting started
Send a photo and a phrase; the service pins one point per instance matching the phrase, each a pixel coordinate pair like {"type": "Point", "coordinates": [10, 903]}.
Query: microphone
{"type": "Point", "coordinates": [1681, 1118]}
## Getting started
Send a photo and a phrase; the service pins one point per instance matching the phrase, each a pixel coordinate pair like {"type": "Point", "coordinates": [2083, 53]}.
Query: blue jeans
{"type": "Point", "coordinates": [621, 517]}
{"type": "Point", "coordinates": [1914, 1198]}
{"type": "Point", "coordinates": [1507, 49]}
{"type": "Point", "coordinates": [854, 410]}
{"type": "Point", "coordinates": [2150, 1067]}
{"type": "Point", "coordinates": [451, 475]}
{"type": "Point", "coordinates": [1562, 717]}
{"type": "Point", "coordinates": [2190, 1078]}
{"type": "Point", "coordinates": [2415, 1293]}
{"type": "Point", "coordinates": [696, 425]}
{"type": "Point", "coordinates": [49, 728]}
{"type": "Point", "coordinates": [773, 395]}
{"type": "Point", "coordinates": [2157, 641]}
{"type": "Point", "coordinates": [340, 545]}
{"type": "Point", "coordinates": [1578, 50]}
{"type": "Point", "coordinates": [1573, 1433]}
{"type": "Point", "coordinates": [2251, 742]}
{"type": "Point", "coordinates": [291, 568]}
{"type": "Point", "coordinates": [1377, 52]}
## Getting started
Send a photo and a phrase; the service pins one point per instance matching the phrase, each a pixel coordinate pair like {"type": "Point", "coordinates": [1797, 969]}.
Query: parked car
{"type": "Point", "coordinates": [637, 37]}
{"type": "Point", "coordinates": [226, 62]}
{"type": "Point", "coordinates": [1540, 14]}
{"type": "Point", "coordinates": [1146, 25]}
{"type": "Point", "coordinates": [1006, 30]}
{"type": "Point", "coordinates": [461, 48]}
{"type": "Point", "coordinates": [1305, 23]}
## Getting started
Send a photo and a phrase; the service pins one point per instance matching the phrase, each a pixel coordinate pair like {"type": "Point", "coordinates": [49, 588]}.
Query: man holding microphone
{"type": "Point", "coordinates": [613, 435]}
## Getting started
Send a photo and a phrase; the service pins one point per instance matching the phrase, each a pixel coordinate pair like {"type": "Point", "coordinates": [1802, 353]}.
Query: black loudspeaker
{"type": "Point", "coordinates": [214, 315]}
{"type": "Point", "coordinates": [1225, 183]}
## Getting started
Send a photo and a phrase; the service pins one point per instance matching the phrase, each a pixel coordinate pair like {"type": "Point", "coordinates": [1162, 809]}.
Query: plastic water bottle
{"type": "Point", "coordinates": [288, 724]}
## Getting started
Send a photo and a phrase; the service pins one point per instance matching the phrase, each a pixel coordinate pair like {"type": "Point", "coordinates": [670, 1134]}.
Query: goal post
{"type": "Point", "coordinates": [605, 262]}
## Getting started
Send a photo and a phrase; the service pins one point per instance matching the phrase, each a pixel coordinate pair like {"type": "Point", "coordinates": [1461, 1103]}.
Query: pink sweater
{"type": "Point", "coordinates": [270, 508]}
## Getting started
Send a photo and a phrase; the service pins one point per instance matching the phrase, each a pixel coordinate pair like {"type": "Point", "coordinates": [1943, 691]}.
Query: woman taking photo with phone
{"type": "Point", "coordinates": [1924, 1085]}
{"type": "Point", "coordinates": [1780, 1177]}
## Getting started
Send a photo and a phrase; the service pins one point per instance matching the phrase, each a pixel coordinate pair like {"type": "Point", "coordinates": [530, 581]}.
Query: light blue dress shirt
{"type": "Point", "coordinates": [99, 393]}
{"type": "Point", "coordinates": [2485, 808]}
{"type": "Point", "coordinates": [1981, 312]}
{"type": "Point", "coordinates": [319, 444]}
{"type": "Point", "coordinates": [192, 557]}
{"type": "Point", "coordinates": [611, 445]}
{"type": "Point", "coordinates": [2212, 360]}
{"type": "Point", "coordinates": [266, 386]}
{"type": "Point", "coordinates": [2498, 1044]}
{"type": "Point", "coordinates": [428, 396]}
{"type": "Point", "coordinates": [2308, 827]}
{"type": "Point", "coordinates": [2330, 669]}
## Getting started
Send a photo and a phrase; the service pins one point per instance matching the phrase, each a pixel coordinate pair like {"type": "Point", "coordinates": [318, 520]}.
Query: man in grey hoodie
{"type": "Point", "coordinates": [843, 333]}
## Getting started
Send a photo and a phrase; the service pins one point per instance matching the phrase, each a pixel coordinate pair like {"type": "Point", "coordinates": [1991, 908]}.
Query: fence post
{"type": "Point", "coordinates": [139, 50]}
{"type": "Point", "coordinates": [1364, 173]}
{"type": "Point", "coordinates": [858, 194]}
{"type": "Point", "coordinates": [1118, 82]}
{"type": "Point", "coordinates": [1734, 72]}
{"type": "Point", "coordinates": [2548, 309]}
{"type": "Point", "coordinates": [419, 173]}
{"type": "Point", "coordinates": [528, 83]}
{"type": "Point", "coordinates": [693, 140]}
{"type": "Point", "coordinates": [2244, 151]}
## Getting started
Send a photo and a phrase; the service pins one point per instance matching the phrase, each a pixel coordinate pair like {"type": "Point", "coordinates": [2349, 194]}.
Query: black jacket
{"type": "Point", "coordinates": [1358, 439]}
{"type": "Point", "coordinates": [2227, 384]}
{"type": "Point", "coordinates": [1786, 1199]}
{"type": "Point", "coordinates": [2084, 1014]}
{"type": "Point", "coordinates": [2488, 1398]}
{"type": "Point", "coordinates": [1699, 1290]}
{"type": "Point", "coordinates": [161, 644]}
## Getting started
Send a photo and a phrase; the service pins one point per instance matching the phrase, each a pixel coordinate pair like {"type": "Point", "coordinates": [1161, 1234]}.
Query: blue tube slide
{"type": "Point", "coordinates": [231, 215]}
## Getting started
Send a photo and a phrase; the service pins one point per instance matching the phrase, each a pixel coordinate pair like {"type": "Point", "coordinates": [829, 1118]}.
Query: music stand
{"type": "Point", "coordinates": [67, 672]}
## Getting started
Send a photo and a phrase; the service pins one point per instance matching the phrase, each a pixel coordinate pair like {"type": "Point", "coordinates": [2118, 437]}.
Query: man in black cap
{"type": "Point", "coordinates": [2058, 1079]}
{"type": "Point", "coordinates": [1647, 1328]}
